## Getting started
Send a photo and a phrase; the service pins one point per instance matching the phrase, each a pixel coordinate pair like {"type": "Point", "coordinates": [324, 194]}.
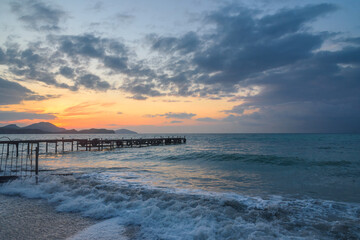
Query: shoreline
{"type": "Point", "coordinates": [22, 218]}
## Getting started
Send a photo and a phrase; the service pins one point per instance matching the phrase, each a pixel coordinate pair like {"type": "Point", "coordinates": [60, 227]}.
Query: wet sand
{"type": "Point", "coordinates": [28, 219]}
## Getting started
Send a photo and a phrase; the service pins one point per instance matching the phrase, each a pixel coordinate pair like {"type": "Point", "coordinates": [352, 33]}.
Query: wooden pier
{"type": "Point", "coordinates": [21, 157]}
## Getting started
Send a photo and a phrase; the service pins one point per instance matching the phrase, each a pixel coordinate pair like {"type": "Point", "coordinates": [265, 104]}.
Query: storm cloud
{"type": "Point", "coordinates": [299, 82]}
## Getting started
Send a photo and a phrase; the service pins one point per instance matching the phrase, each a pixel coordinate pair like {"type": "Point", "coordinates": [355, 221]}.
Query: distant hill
{"type": "Point", "coordinates": [95, 131]}
{"type": "Point", "coordinates": [4, 130]}
{"type": "Point", "coordinates": [125, 131]}
{"type": "Point", "coordinates": [11, 126]}
{"type": "Point", "coordinates": [49, 128]}
{"type": "Point", "coordinates": [46, 127]}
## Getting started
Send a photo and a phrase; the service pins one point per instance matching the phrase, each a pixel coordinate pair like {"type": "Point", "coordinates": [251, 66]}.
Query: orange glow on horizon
{"type": "Point", "coordinates": [113, 109]}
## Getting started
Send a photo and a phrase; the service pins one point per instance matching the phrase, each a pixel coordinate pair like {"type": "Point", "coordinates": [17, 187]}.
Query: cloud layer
{"type": "Point", "coordinates": [279, 73]}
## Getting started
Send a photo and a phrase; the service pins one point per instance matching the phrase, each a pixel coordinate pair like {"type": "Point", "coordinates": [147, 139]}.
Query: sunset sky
{"type": "Point", "coordinates": [182, 66]}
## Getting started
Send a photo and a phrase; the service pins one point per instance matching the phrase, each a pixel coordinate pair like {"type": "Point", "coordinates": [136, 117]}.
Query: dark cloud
{"type": "Point", "coordinates": [245, 46]}
{"type": "Point", "coordinates": [179, 115]}
{"type": "Point", "coordinates": [292, 20]}
{"type": "Point", "coordinates": [33, 63]}
{"type": "Point", "coordinates": [93, 82]}
{"type": "Point", "coordinates": [13, 116]}
{"type": "Point", "coordinates": [185, 44]}
{"type": "Point", "coordinates": [110, 53]}
{"type": "Point", "coordinates": [355, 40]}
{"type": "Point", "coordinates": [35, 97]}
{"type": "Point", "coordinates": [12, 92]}
{"type": "Point", "coordinates": [141, 90]}
{"type": "Point", "coordinates": [67, 72]}
{"type": "Point", "coordinates": [207, 119]}
{"type": "Point", "coordinates": [38, 62]}
{"type": "Point", "coordinates": [278, 55]}
{"type": "Point", "coordinates": [239, 109]}
{"type": "Point", "coordinates": [116, 63]}
{"type": "Point", "coordinates": [138, 97]}
{"type": "Point", "coordinates": [317, 94]}
{"type": "Point", "coordinates": [175, 121]}
{"type": "Point", "coordinates": [37, 15]}
{"type": "Point", "coordinates": [2, 57]}
{"type": "Point", "coordinates": [88, 46]}
{"type": "Point", "coordinates": [241, 46]}
{"type": "Point", "coordinates": [305, 117]}
{"type": "Point", "coordinates": [174, 115]}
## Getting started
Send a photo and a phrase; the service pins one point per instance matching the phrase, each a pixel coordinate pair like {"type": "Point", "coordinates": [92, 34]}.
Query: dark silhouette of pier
{"type": "Point", "coordinates": [21, 157]}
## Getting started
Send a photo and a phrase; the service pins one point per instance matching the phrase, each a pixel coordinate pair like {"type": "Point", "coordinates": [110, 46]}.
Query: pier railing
{"type": "Point", "coordinates": [21, 157]}
{"type": "Point", "coordinates": [18, 159]}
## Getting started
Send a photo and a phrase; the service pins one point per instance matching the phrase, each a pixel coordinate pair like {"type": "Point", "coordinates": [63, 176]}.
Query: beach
{"type": "Point", "coordinates": [23, 218]}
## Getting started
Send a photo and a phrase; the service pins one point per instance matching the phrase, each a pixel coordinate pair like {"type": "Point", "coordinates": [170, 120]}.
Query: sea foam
{"type": "Point", "coordinates": [139, 211]}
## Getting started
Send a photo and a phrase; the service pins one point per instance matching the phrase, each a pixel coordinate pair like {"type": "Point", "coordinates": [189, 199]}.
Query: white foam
{"type": "Point", "coordinates": [184, 214]}
{"type": "Point", "coordinates": [105, 230]}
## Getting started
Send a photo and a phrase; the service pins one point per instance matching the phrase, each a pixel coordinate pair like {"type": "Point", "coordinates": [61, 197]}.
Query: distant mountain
{"type": "Point", "coordinates": [11, 126]}
{"type": "Point", "coordinates": [96, 131]}
{"type": "Point", "coordinates": [72, 131]}
{"type": "Point", "coordinates": [46, 127]}
{"type": "Point", "coordinates": [125, 131]}
{"type": "Point", "coordinates": [4, 130]}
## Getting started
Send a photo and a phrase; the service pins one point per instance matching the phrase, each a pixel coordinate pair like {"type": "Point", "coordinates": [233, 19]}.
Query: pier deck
{"type": "Point", "coordinates": [21, 157]}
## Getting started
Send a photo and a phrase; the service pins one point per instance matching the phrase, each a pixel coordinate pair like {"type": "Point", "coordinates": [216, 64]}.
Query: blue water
{"type": "Point", "coordinates": [217, 186]}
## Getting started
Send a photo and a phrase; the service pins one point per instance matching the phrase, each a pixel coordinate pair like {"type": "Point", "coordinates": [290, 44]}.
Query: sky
{"type": "Point", "coordinates": [166, 66]}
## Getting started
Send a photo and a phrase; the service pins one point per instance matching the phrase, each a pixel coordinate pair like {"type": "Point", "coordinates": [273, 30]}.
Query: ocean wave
{"type": "Point", "coordinates": [254, 158]}
{"type": "Point", "coordinates": [155, 213]}
{"type": "Point", "coordinates": [238, 157]}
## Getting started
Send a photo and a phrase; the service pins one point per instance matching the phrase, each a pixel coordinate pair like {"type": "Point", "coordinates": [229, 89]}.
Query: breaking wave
{"type": "Point", "coordinates": [167, 213]}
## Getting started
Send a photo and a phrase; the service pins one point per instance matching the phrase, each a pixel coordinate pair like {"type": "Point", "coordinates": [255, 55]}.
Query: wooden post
{"type": "Point", "coordinates": [77, 145]}
{"type": "Point", "coordinates": [72, 145]}
{"type": "Point", "coordinates": [37, 162]}
{"type": "Point", "coordinates": [17, 149]}
{"type": "Point", "coordinates": [7, 150]}
{"type": "Point", "coordinates": [63, 145]}
{"type": "Point", "coordinates": [46, 147]}
{"type": "Point", "coordinates": [56, 147]}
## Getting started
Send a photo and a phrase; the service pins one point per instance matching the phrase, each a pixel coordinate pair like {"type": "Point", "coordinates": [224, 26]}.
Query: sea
{"type": "Point", "coordinates": [216, 186]}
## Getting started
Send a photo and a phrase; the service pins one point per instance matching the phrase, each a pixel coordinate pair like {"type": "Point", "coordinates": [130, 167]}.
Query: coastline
{"type": "Point", "coordinates": [22, 218]}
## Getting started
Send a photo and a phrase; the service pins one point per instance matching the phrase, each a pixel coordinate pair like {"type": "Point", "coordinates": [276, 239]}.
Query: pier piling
{"type": "Point", "coordinates": [21, 157]}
